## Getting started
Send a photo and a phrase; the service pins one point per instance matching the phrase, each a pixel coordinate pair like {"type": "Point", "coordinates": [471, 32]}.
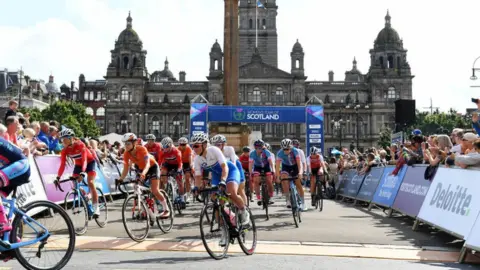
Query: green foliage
{"type": "Point", "coordinates": [440, 122]}
{"type": "Point", "coordinates": [385, 139]}
{"type": "Point", "coordinates": [69, 114]}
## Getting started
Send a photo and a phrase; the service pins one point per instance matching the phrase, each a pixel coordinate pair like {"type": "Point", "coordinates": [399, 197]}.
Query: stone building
{"type": "Point", "coordinates": [356, 106]}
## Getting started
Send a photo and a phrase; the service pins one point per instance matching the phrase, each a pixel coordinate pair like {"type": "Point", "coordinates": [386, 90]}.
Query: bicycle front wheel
{"type": "Point", "coordinates": [265, 199]}
{"type": "Point", "coordinates": [214, 226]}
{"type": "Point", "coordinates": [60, 239]}
{"type": "Point", "coordinates": [77, 208]}
{"type": "Point", "coordinates": [135, 213]}
{"type": "Point", "coordinates": [102, 219]}
{"type": "Point", "coordinates": [166, 224]}
{"type": "Point", "coordinates": [295, 207]}
{"type": "Point", "coordinates": [248, 243]}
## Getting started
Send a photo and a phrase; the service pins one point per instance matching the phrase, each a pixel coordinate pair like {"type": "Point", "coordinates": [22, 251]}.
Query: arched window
{"type": "Point", "coordinates": [390, 62]}
{"type": "Point", "coordinates": [125, 95]}
{"type": "Point", "coordinates": [392, 94]}
{"type": "Point", "coordinates": [297, 63]}
{"type": "Point", "coordinates": [156, 126]}
{"type": "Point", "coordinates": [216, 64]}
{"type": "Point", "coordinates": [89, 111]}
{"type": "Point", "coordinates": [125, 62]}
{"type": "Point", "coordinates": [124, 124]}
{"type": "Point", "coordinates": [101, 111]}
{"type": "Point", "coordinates": [381, 62]}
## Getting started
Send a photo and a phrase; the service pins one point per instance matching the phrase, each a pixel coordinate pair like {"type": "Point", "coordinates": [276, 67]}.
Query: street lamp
{"type": "Point", "coordinates": [176, 123]}
{"type": "Point", "coordinates": [357, 108]}
{"type": "Point", "coordinates": [474, 77]}
{"type": "Point", "coordinates": [338, 126]}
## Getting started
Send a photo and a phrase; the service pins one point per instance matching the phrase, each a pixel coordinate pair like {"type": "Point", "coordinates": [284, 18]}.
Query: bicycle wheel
{"type": "Point", "coordinates": [295, 206]}
{"type": "Point", "coordinates": [24, 225]}
{"type": "Point", "coordinates": [102, 205]}
{"type": "Point", "coordinates": [299, 204]}
{"type": "Point", "coordinates": [166, 224]}
{"type": "Point", "coordinates": [217, 224]}
{"type": "Point", "coordinates": [248, 247]}
{"type": "Point", "coordinates": [169, 190]}
{"type": "Point", "coordinates": [319, 196]}
{"type": "Point", "coordinates": [78, 211]}
{"type": "Point", "coordinates": [265, 199]}
{"type": "Point", "coordinates": [137, 212]}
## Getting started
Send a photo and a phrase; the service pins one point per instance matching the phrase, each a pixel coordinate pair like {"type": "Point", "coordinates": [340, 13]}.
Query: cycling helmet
{"type": "Point", "coordinates": [259, 143]}
{"type": "Point", "coordinates": [312, 149]}
{"type": "Point", "coordinates": [129, 137]}
{"type": "Point", "coordinates": [295, 142]}
{"type": "Point", "coordinates": [199, 138]}
{"type": "Point", "coordinates": [221, 138]}
{"type": "Point", "coordinates": [215, 139]}
{"type": "Point", "coordinates": [150, 137]}
{"type": "Point", "coordinates": [286, 143]}
{"type": "Point", "coordinates": [166, 142]}
{"type": "Point", "coordinates": [66, 133]}
{"type": "Point", "coordinates": [182, 140]}
{"type": "Point", "coordinates": [246, 149]}
{"type": "Point", "coordinates": [268, 146]}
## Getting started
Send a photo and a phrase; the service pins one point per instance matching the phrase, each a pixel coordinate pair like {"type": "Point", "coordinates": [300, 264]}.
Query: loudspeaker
{"type": "Point", "coordinates": [405, 111]}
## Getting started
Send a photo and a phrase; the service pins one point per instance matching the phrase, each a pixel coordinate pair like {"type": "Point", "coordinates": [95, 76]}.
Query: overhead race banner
{"type": "Point", "coordinates": [198, 118]}
{"type": "Point", "coordinates": [369, 185]}
{"type": "Point", "coordinates": [453, 200]}
{"type": "Point", "coordinates": [412, 192]}
{"type": "Point", "coordinates": [314, 122]}
{"type": "Point", "coordinates": [388, 187]}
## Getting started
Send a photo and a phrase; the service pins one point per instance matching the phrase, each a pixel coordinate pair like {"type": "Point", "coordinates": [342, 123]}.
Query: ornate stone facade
{"type": "Point", "coordinates": [131, 99]}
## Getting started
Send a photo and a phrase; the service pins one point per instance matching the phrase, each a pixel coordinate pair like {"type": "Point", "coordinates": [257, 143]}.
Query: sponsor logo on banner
{"type": "Point", "coordinates": [412, 192]}
{"type": "Point", "coordinates": [315, 140]}
{"type": "Point", "coordinates": [388, 187]}
{"type": "Point", "coordinates": [314, 126]}
{"type": "Point", "coordinates": [240, 114]}
{"type": "Point", "coordinates": [198, 123]}
{"type": "Point", "coordinates": [353, 185]}
{"type": "Point", "coordinates": [369, 185]}
{"type": "Point", "coordinates": [315, 136]}
{"type": "Point", "coordinates": [453, 200]}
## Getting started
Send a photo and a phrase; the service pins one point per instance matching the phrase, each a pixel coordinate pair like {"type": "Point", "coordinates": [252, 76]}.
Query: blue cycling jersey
{"type": "Point", "coordinates": [9, 153]}
{"type": "Point", "coordinates": [289, 159]}
{"type": "Point", "coordinates": [262, 159]}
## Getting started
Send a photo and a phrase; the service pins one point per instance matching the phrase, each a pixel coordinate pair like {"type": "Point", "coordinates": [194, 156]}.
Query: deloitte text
{"type": "Point", "coordinates": [261, 116]}
{"type": "Point", "coordinates": [456, 201]}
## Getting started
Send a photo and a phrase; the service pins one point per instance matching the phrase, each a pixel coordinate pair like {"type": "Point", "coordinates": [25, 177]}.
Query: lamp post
{"type": "Point", "coordinates": [176, 124]}
{"type": "Point", "coordinates": [145, 126]}
{"type": "Point", "coordinates": [357, 108]}
{"type": "Point", "coordinates": [338, 127]}
{"type": "Point", "coordinates": [137, 116]}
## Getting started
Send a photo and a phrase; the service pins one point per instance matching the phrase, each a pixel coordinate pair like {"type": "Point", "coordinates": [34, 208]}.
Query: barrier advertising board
{"type": "Point", "coordinates": [412, 192]}
{"type": "Point", "coordinates": [369, 185]}
{"type": "Point", "coordinates": [473, 239]}
{"type": "Point", "coordinates": [352, 187]}
{"type": "Point", "coordinates": [453, 201]}
{"type": "Point", "coordinates": [346, 178]}
{"type": "Point", "coordinates": [111, 172]}
{"type": "Point", "coordinates": [388, 187]}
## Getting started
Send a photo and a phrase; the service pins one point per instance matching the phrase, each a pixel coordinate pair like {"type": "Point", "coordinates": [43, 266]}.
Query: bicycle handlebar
{"type": "Point", "coordinates": [57, 182]}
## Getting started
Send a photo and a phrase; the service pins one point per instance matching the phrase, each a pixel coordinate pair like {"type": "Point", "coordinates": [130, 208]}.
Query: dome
{"type": "Point", "coordinates": [297, 47]}
{"type": "Point", "coordinates": [216, 47]}
{"type": "Point", "coordinates": [129, 35]}
{"type": "Point", "coordinates": [164, 75]}
{"type": "Point", "coordinates": [387, 35]}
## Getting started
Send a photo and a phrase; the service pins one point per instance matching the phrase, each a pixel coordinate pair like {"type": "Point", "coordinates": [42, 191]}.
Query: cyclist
{"type": "Point", "coordinates": [153, 147]}
{"type": "Point", "coordinates": [171, 160]}
{"type": "Point", "coordinates": [229, 152]}
{"type": "Point", "coordinates": [187, 158]}
{"type": "Point", "coordinates": [146, 165]}
{"type": "Point", "coordinates": [84, 162]}
{"type": "Point", "coordinates": [296, 144]}
{"type": "Point", "coordinates": [316, 166]}
{"type": "Point", "coordinates": [269, 148]}
{"type": "Point", "coordinates": [224, 172]}
{"type": "Point", "coordinates": [245, 161]}
{"type": "Point", "coordinates": [289, 159]}
{"type": "Point", "coordinates": [261, 162]}
{"type": "Point", "coordinates": [15, 171]}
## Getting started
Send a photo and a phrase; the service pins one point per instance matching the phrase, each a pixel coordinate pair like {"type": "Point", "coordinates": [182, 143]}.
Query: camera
{"type": "Point", "coordinates": [475, 100]}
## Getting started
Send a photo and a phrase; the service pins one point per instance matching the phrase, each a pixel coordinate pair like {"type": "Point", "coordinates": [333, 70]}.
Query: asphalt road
{"type": "Point", "coordinates": [338, 223]}
{"type": "Point", "coordinates": [99, 259]}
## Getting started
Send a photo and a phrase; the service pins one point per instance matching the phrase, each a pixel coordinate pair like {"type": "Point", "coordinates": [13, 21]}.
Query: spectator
{"type": "Point", "coordinates": [43, 134]}
{"type": "Point", "coordinates": [472, 159]}
{"type": "Point", "coordinates": [467, 142]}
{"type": "Point", "coordinates": [457, 137]}
{"type": "Point", "coordinates": [55, 145]}
{"type": "Point", "coordinates": [3, 130]}
{"type": "Point", "coordinates": [475, 118]}
{"type": "Point", "coordinates": [31, 142]}
{"type": "Point", "coordinates": [12, 127]}
{"type": "Point", "coordinates": [12, 109]}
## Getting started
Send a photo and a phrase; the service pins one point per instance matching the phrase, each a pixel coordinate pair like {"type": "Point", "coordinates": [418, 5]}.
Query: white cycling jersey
{"type": "Point", "coordinates": [229, 153]}
{"type": "Point", "coordinates": [212, 161]}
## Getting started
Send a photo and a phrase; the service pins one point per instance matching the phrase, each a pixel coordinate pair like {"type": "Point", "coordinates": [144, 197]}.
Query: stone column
{"type": "Point", "coordinates": [231, 54]}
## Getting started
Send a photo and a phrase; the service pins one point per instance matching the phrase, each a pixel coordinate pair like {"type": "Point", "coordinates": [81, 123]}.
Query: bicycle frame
{"type": "Point", "coordinates": [138, 190]}
{"type": "Point", "coordinates": [78, 187]}
{"type": "Point", "coordinates": [11, 204]}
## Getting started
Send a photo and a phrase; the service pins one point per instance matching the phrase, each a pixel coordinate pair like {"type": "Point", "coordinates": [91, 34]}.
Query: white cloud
{"type": "Point", "coordinates": [441, 40]}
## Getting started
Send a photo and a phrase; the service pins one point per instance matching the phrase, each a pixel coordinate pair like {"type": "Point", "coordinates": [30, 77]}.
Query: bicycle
{"type": "Point", "coordinates": [248, 192]}
{"type": "Point", "coordinates": [82, 204]}
{"type": "Point", "coordinates": [318, 196]}
{"type": "Point", "coordinates": [172, 191]}
{"type": "Point", "coordinates": [265, 194]}
{"type": "Point", "coordinates": [295, 200]}
{"type": "Point", "coordinates": [144, 208]}
{"type": "Point", "coordinates": [226, 221]}
{"type": "Point", "coordinates": [12, 241]}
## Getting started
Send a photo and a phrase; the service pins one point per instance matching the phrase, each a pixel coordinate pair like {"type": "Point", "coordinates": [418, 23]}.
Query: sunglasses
{"type": "Point", "coordinates": [197, 145]}
{"type": "Point", "coordinates": [259, 148]}
{"type": "Point", "coordinates": [286, 149]}
{"type": "Point", "coordinates": [128, 143]}
{"type": "Point", "coordinates": [183, 144]}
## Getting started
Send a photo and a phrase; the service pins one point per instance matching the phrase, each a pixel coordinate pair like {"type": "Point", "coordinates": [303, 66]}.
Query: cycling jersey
{"type": "Point", "coordinates": [302, 155]}
{"type": "Point", "coordinates": [186, 154]}
{"type": "Point", "coordinates": [155, 149]}
{"type": "Point", "coordinates": [171, 158]}
{"type": "Point", "coordinates": [261, 160]}
{"type": "Point", "coordinates": [140, 159]}
{"type": "Point", "coordinates": [14, 167]}
{"type": "Point", "coordinates": [289, 159]}
{"type": "Point", "coordinates": [81, 156]}
{"type": "Point", "coordinates": [315, 161]}
{"type": "Point", "coordinates": [212, 162]}
{"type": "Point", "coordinates": [229, 153]}
{"type": "Point", "coordinates": [245, 161]}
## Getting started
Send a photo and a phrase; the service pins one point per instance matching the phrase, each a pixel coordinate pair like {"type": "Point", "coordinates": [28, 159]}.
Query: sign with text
{"type": "Point", "coordinates": [198, 118]}
{"type": "Point", "coordinates": [397, 138]}
{"type": "Point", "coordinates": [256, 114]}
{"type": "Point", "coordinates": [412, 192]}
{"type": "Point", "coordinates": [314, 123]}
{"type": "Point", "coordinates": [347, 177]}
{"type": "Point", "coordinates": [388, 187]}
{"type": "Point", "coordinates": [352, 187]}
{"type": "Point", "coordinates": [453, 200]}
{"type": "Point", "coordinates": [369, 185]}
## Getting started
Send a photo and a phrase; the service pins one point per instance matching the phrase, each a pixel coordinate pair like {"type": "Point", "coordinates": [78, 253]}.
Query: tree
{"type": "Point", "coordinates": [385, 139]}
{"type": "Point", "coordinates": [35, 113]}
{"type": "Point", "coordinates": [440, 122]}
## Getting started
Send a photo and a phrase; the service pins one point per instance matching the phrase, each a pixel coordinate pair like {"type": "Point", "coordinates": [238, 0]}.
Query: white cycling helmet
{"type": "Point", "coordinates": [286, 143]}
{"type": "Point", "coordinates": [215, 139]}
{"type": "Point", "coordinates": [182, 140]}
{"type": "Point", "coordinates": [268, 146]}
{"type": "Point", "coordinates": [199, 138]}
{"type": "Point", "coordinates": [166, 142]}
{"type": "Point", "coordinates": [129, 137]}
{"type": "Point", "coordinates": [314, 150]}
{"type": "Point", "coordinates": [66, 133]}
{"type": "Point", "coordinates": [150, 137]}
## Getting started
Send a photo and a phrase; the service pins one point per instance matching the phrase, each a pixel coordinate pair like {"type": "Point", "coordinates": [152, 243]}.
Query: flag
{"type": "Point", "coordinates": [260, 5]}
{"type": "Point", "coordinates": [9, 81]}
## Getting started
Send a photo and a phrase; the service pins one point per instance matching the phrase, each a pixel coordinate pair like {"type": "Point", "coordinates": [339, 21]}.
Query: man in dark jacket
{"type": "Point", "coordinates": [12, 109]}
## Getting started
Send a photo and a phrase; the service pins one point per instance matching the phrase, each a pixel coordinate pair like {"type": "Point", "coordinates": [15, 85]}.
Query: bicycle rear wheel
{"type": "Point", "coordinates": [102, 205]}
{"type": "Point", "coordinates": [265, 199]}
{"type": "Point", "coordinates": [248, 246]}
{"type": "Point", "coordinates": [319, 196]}
{"type": "Point", "coordinates": [166, 224]}
{"type": "Point", "coordinates": [24, 225]}
{"type": "Point", "coordinates": [136, 212]}
{"type": "Point", "coordinates": [77, 210]}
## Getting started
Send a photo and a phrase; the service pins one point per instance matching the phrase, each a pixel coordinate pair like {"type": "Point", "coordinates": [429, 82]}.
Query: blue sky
{"type": "Point", "coordinates": [69, 37]}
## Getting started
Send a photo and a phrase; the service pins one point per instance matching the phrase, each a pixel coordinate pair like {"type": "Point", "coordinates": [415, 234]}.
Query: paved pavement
{"type": "Point", "coordinates": [338, 223]}
{"type": "Point", "coordinates": [120, 260]}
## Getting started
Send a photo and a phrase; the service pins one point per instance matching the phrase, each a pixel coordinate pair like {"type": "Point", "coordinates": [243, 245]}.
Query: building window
{"type": "Point", "coordinates": [85, 95]}
{"type": "Point", "coordinates": [391, 94]}
{"type": "Point", "coordinates": [155, 126]}
{"type": "Point", "coordinates": [92, 95]}
{"type": "Point", "coordinates": [124, 124]}
{"type": "Point", "coordinates": [251, 24]}
{"type": "Point", "coordinates": [89, 111]}
{"type": "Point", "coordinates": [279, 94]}
{"type": "Point", "coordinates": [101, 111]}
{"type": "Point", "coordinates": [256, 95]}
{"type": "Point", "coordinates": [125, 95]}
{"type": "Point", "coordinates": [279, 131]}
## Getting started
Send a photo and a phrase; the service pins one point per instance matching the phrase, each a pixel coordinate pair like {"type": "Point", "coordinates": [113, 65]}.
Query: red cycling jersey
{"type": "Point", "coordinates": [315, 161]}
{"type": "Point", "coordinates": [245, 161]}
{"type": "Point", "coordinates": [154, 150]}
{"type": "Point", "coordinates": [80, 154]}
{"type": "Point", "coordinates": [172, 157]}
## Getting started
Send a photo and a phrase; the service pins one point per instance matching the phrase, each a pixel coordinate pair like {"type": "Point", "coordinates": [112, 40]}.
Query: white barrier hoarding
{"type": "Point", "coordinates": [453, 200]}
{"type": "Point", "coordinates": [473, 239]}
